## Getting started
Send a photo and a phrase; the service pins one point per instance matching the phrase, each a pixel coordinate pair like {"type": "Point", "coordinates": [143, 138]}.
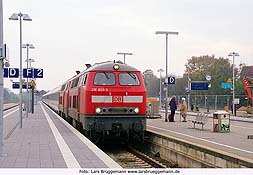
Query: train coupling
{"type": "Point", "coordinates": [116, 127]}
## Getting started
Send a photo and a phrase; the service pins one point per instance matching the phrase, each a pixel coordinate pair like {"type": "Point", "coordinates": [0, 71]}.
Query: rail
{"type": "Point", "coordinates": [9, 106]}
{"type": "Point", "coordinates": [154, 163]}
{"type": "Point", "coordinates": [129, 157]}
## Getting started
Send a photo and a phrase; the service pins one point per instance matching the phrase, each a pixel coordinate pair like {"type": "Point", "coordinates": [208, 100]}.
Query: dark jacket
{"type": "Point", "coordinates": [173, 104]}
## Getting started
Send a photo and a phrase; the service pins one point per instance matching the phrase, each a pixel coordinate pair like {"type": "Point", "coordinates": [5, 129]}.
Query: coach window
{"type": "Point", "coordinates": [70, 101]}
{"type": "Point", "coordinates": [74, 82]}
{"type": "Point", "coordinates": [104, 78]}
{"type": "Point", "coordinates": [63, 87]}
{"type": "Point", "coordinates": [80, 81]}
{"type": "Point", "coordinates": [128, 79]}
{"type": "Point", "coordinates": [74, 101]}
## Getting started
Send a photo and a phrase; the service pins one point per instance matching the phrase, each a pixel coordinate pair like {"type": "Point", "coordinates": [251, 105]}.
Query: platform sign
{"type": "Point", "coordinates": [6, 72]}
{"type": "Point", "coordinates": [171, 80]}
{"type": "Point", "coordinates": [33, 73]}
{"type": "Point", "coordinates": [226, 85]}
{"type": "Point", "coordinates": [28, 73]}
{"type": "Point", "coordinates": [237, 101]}
{"type": "Point", "coordinates": [11, 72]}
{"type": "Point", "coordinates": [38, 73]}
{"type": "Point", "coordinates": [199, 86]}
{"type": "Point", "coordinates": [15, 85]}
{"type": "Point", "coordinates": [32, 83]}
{"type": "Point", "coordinates": [229, 80]}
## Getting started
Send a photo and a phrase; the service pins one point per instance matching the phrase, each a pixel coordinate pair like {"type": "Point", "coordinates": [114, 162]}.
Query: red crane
{"type": "Point", "coordinates": [248, 84]}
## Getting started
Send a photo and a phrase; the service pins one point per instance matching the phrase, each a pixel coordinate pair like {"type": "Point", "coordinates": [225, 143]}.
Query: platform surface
{"type": "Point", "coordinates": [235, 142]}
{"type": "Point", "coordinates": [47, 141]}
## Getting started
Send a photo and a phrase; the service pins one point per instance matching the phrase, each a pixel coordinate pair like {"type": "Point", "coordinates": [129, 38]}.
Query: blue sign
{"type": "Point", "coordinates": [199, 86]}
{"type": "Point", "coordinates": [38, 73]}
{"type": "Point", "coordinates": [33, 73]}
{"type": "Point", "coordinates": [226, 85]}
{"type": "Point", "coordinates": [28, 73]}
{"type": "Point", "coordinates": [171, 80]}
{"type": "Point", "coordinates": [6, 72]}
{"type": "Point", "coordinates": [11, 72]}
{"type": "Point", "coordinates": [16, 86]}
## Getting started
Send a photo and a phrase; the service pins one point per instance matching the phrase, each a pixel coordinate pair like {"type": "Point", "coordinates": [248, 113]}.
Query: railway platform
{"type": "Point", "coordinates": [47, 141]}
{"type": "Point", "coordinates": [234, 143]}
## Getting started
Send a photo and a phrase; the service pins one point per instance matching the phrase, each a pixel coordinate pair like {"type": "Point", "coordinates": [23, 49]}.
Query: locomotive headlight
{"type": "Point", "coordinates": [116, 67]}
{"type": "Point", "coordinates": [98, 110]}
{"type": "Point", "coordinates": [136, 110]}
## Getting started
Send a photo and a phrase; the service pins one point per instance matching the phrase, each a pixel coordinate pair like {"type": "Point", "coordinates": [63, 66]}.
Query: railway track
{"type": "Point", "coordinates": [128, 157]}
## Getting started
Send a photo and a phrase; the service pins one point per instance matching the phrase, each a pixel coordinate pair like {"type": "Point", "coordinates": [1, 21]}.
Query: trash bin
{"type": "Point", "coordinates": [221, 121]}
{"type": "Point", "coordinates": [153, 109]}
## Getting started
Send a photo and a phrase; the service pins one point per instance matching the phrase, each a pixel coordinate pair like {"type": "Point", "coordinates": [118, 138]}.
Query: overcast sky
{"type": "Point", "coordinates": [68, 34]}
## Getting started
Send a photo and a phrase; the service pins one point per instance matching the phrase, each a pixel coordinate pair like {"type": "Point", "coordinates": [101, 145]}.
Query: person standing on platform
{"type": "Point", "coordinates": [183, 109]}
{"type": "Point", "coordinates": [173, 108]}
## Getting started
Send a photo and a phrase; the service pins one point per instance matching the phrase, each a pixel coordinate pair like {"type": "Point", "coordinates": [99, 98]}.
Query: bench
{"type": "Point", "coordinates": [201, 119]}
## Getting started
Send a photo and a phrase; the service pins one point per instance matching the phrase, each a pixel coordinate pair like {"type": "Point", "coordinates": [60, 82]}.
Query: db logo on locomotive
{"type": "Point", "coordinates": [117, 99]}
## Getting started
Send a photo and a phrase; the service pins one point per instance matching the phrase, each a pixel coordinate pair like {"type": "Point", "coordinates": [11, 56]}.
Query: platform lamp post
{"type": "Point", "coordinates": [233, 54]}
{"type": "Point", "coordinates": [208, 79]}
{"type": "Point", "coordinates": [30, 61]}
{"type": "Point", "coordinates": [20, 16]}
{"type": "Point", "coordinates": [27, 47]}
{"type": "Point", "coordinates": [1, 79]}
{"type": "Point", "coordinates": [160, 71]}
{"type": "Point", "coordinates": [166, 33]}
{"type": "Point", "coordinates": [188, 89]}
{"type": "Point", "coordinates": [124, 53]}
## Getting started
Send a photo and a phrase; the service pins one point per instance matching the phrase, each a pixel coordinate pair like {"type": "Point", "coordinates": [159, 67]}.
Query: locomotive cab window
{"type": "Point", "coordinates": [104, 78]}
{"type": "Point", "coordinates": [84, 79]}
{"type": "Point", "coordinates": [128, 79]}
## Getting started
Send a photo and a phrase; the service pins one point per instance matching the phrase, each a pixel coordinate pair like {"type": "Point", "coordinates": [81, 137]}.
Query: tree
{"type": "Point", "coordinates": [219, 69]}
{"type": "Point", "coordinates": [147, 76]}
{"type": "Point", "coordinates": [10, 97]}
{"type": "Point", "coordinates": [151, 83]}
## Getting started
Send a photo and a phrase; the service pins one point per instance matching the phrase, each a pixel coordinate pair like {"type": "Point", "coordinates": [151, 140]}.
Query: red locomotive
{"type": "Point", "coordinates": [106, 99]}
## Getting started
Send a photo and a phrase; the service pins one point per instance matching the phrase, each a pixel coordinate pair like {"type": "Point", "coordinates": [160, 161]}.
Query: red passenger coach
{"type": "Point", "coordinates": [106, 99]}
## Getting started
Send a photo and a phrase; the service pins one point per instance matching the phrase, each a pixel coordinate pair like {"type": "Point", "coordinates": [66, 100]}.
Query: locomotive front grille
{"type": "Point", "coordinates": [117, 110]}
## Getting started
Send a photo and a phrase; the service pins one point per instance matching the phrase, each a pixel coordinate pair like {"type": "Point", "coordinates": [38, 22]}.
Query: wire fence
{"type": "Point", "coordinates": [216, 102]}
